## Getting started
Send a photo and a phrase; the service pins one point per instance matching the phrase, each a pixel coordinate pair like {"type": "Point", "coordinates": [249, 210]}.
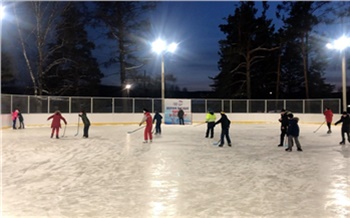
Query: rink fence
{"type": "Point", "coordinates": [30, 104]}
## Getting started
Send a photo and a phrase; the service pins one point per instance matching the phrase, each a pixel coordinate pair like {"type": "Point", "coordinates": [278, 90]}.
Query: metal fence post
{"type": "Point", "coordinates": [48, 104]}
{"type": "Point", "coordinates": [91, 105]}
{"type": "Point", "coordinates": [112, 105]}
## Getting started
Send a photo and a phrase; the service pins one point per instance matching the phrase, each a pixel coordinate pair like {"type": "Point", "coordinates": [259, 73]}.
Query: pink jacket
{"type": "Point", "coordinates": [15, 114]}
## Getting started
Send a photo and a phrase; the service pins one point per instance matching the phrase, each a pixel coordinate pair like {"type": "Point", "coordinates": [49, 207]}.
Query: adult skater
{"type": "Point", "coordinates": [345, 120]}
{"type": "Point", "coordinates": [86, 123]}
{"type": "Point", "coordinates": [20, 119]}
{"type": "Point", "coordinates": [225, 126]}
{"type": "Point", "coordinates": [56, 122]}
{"type": "Point", "coordinates": [284, 126]}
{"type": "Point", "coordinates": [148, 129]}
{"type": "Point", "coordinates": [210, 119]}
{"type": "Point", "coordinates": [158, 119]}
{"type": "Point", "coordinates": [180, 115]}
{"type": "Point", "coordinates": [328, 113]}
{"type": "Point", "coordinates": [293, 132]}
{"type": "Point", "coordinates": [14, 118]}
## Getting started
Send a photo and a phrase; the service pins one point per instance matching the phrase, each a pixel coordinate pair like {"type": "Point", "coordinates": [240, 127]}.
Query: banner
{"type": "Point", "coordinates": [172, 107]}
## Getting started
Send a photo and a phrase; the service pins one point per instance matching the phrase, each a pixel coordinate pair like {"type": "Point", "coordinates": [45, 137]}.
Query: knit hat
{"type": "Point", "coordinates": [345, 113]}
{"type": "Point", "coordinates": [290, 115]}
{"type": "Point", "coordinates": [145, 110]}
{"type": "Point", "coordinates": [222, 112]}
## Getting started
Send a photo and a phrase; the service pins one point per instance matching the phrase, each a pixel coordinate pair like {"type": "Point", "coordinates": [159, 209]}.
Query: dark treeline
{"type": "Point", "coordinates": [55, 44]}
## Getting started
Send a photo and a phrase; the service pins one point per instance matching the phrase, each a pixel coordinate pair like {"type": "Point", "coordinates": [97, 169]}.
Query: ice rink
{"type": "Point", "coordinates": [179, 174]}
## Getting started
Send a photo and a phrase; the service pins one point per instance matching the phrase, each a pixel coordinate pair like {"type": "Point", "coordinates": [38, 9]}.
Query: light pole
{"type": "Point", "coordinates": [341, 44]}
{"type": "Point", "coordinates": [160, 47]}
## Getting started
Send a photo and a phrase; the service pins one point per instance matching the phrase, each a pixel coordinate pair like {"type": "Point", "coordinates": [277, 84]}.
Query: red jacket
{"type": "Point", "coordinates": [56, 120]}
{"type": "Point", "coordinates": [329, 115]}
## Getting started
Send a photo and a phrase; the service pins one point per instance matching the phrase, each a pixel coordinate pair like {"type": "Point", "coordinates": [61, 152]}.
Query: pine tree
{"type": "Point", "coordinates": [80, 73]}
{"type": "Point", "coordinates": [248, 42]}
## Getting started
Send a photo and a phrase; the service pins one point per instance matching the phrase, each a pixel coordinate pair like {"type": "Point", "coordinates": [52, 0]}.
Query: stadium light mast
{"type": "Point", "coordinates": [341, 44]}
{"type": "Point", "coordinates": [161, 48]}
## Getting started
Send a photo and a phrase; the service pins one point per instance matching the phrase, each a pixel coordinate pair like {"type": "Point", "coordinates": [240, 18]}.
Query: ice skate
{"type": "Point", "coordinates": [342, 143]}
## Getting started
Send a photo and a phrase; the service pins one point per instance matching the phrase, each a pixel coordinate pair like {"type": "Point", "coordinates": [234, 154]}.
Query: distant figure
{"type": "Point", "coordinates": [148, 130]}
{"type": "Point", "coordinates": [284, 126]}
{"type": "Point", "coordinates": [345, 120]}
{"type": "Point", "coordinates": [158, 119]}
{"type": "Point", "coordinates": [180, 115]}
{"type": "Point", "coordinates": [86, 123]}
{"type": "Point", "coordinates": [225, 126]}
{"type": "Point", "coordinates": [56, 122]}
{"type": "Point", "coordinates": [210, 119]}
{"type": "Point", "coordinates": [329, 117]}
{"type": "Point", "coordinates": [20, 118]}
{"type": "Point", "coordinates": [293, 132]}
{"type": "Point", "coordinates": [14, 118]}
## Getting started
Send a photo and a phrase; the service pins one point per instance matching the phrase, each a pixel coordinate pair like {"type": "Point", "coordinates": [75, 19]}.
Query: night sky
{"type": "Point", "coordinates": [195, 26]}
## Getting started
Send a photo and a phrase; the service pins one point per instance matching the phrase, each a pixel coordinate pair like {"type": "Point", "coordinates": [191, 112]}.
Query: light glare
{"type": "Point", "coordinates": [339, 44]}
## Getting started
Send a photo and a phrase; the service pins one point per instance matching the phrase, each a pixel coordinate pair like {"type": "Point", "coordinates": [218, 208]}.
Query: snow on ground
{"type": "Point", "coordinates": [179, 174]}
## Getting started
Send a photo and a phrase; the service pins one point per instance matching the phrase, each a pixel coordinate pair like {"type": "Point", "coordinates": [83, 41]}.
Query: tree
{"type": "Point", "coordinates": [7, 73]}
{"type": "Point", "coordinates": [80, 73]}
{"type": "Point", "coordinates": [248, 43]}
{"type": "Point", "coordinates": [298, 27]}
{"type": "Point", "coordinates": [128, 26]}
{"type": "Point", "coordinates": [35, 36]}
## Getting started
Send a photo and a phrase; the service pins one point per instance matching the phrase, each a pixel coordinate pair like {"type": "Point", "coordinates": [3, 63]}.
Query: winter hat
{"type": "Point", "coordinates": [283, 110]}
{"type": "Point", "coordinates": [145, 110]}
{"type": "Point", "coordinates": [290, 115]}
{"type": "Point", "coordinates": [222, 112]}
{"type": "Point", "coordinates": [345, 113]}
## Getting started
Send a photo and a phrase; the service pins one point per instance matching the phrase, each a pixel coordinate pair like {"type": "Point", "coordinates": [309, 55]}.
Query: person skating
{"type": "Point", "coordinates": [20, 118]}
{"type": "Point", "coordinates": [86, 123]}
{"type": "Point", "coordinates": [225, 126]}
{"type": "Point", "coordinates": [210, 119]}
{"type": "Point", "coordinates": [14, 118]}
{"type": "Point", "coordinates": [56, 122]}
{"type": "Point", "coordinates": [158, 119]}
{"type": "Point", "coordinates": [293, 132]}
{"type": "Point", "coordinates": [148, 129]}
{"type": "Point", "coordinates": [284, 126]}
{"type": "Point", "coordinates": [328, 113]}
{"type": "Point", "coordinates": [180, 115]}
{"type": "Point", "coordinates": [345, 120]}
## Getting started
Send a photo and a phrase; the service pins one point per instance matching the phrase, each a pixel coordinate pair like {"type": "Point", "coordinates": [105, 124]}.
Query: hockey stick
{"type": "Point", "coordinates": [198, 124]}
{"type": "Point", "coordinates": [217, 143]}
{"type": "Point", "coordinates": [136, 129]}
{"type": "Point", "coordinates": [319, 127]}
{"type": "Point", "coordinates": [64, 131]}
{"type": "Point", "coordinates": [286, 141]}
{"type": "Point", "coordinates": [78, 126]}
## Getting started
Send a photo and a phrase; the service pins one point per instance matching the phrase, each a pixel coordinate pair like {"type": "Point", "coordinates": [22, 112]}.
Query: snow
{"type": "Point", "coordinates": [179, 174]}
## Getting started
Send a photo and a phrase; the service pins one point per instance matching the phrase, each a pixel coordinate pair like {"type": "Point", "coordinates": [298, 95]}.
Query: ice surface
{"type": "Point", "coordinates": [179, 174]}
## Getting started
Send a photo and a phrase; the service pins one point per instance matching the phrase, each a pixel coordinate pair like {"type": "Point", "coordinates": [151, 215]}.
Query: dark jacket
{"type": "Point", "coordinates": [180, 113]}
{"type": "Point", "coordinates": [225, 122]}
{"type": "Point", "coordinates": [293, 127]}
{"type": "Point", "coordinates": [346, 122]}
{"type": "Point", "coordinates": [157, 117]}
{"type": "Point", "coordinates": [284, 120]}
{"type": "Point", "coordinates": [85, 119]}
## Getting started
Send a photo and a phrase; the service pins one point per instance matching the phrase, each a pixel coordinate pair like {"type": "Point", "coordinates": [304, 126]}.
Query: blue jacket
{"type": "Point", "coordinates": [293, 127]}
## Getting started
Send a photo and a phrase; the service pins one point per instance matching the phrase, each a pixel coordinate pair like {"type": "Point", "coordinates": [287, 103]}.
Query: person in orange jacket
{"type": "Point", "coordinates": [56, 122]}
{"type": "Point", "coordinates": [329, 117]}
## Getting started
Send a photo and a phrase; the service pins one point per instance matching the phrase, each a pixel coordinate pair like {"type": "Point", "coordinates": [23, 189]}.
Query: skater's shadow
{"type": "Point", "coordinates": [345, 151]}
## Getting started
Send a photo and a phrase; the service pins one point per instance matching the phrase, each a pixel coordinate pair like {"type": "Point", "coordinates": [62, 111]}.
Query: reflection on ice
{"type": "Point", "coordinates": [180, 174]}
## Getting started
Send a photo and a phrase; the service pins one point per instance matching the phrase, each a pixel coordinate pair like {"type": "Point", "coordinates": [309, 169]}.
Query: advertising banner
{"type": "Point", "coordinates": [172, 108]}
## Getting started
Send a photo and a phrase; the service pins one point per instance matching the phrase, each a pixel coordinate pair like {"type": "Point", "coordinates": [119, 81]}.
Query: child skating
{"type": "Point", "coordinates": [56, 123]}
{"type": "Point", "coordinates": [293, 132]}
{"type": "Point", "coordinates": [345, 120]}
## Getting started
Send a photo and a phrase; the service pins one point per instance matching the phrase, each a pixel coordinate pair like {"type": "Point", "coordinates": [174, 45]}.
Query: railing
{"type": "Point", "coordinates": [49, 104]}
